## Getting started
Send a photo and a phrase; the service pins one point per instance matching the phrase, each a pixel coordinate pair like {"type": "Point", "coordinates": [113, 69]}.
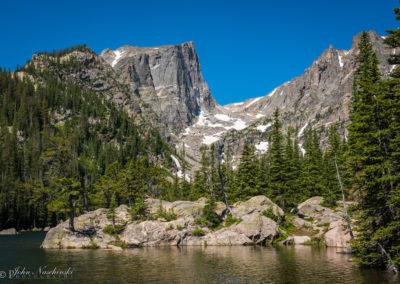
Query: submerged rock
{"type": "Point", "coordinates": [296, 240]}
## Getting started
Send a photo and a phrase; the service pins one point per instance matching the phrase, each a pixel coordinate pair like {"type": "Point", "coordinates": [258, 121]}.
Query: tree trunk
{"type": "Point", "coordinates": [71, 220]}
{"type": "Point", "coordinates": [391, 266]}
{"type": "Point", "coordinates": [344, 200]}
{"type": "Point", "coordinates": [223, 182]}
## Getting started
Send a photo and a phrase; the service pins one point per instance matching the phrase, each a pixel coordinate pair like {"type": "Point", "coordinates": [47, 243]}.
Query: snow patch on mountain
{"type": "Point", "coordinates": [302, 129]}
{"type": "Point", "coordinates": [340, 61]}
{"type": "Point", "coordinates": [254, 101]}
{"type": "Point", "coordinates": [223, 117]}
{"type": "Point", "coordinates": [262, 128]}
{"type": "Point", "coordinates": [262, 147]}
{"type": "Point", "coordinates": [210, 139]}
{"type": "Point", "coordinates": [179, 172]}
{"type": "Point", "coordinates": [117, 57]}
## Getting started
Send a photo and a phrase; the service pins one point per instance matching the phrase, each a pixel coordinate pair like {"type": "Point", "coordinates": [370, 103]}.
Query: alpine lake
{"type": "Point", "coordinates": [23, 261]}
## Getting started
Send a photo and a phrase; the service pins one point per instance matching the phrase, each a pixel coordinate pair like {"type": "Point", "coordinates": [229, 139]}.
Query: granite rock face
{"type": "Point", "coordinates": [167, 78]}
{"type": "Point", "coordinates": [338, 235]}
{"type": "Point", "coordinates": [317, 221]}
{"type": "Point", "coordinates": [312, 208]}
{"type": "Point", "coordinates": [10, 231]}
{"type": "Point", "coordinates": [253, 228]}
{"type": "Point", "coordinates": [317, 98]}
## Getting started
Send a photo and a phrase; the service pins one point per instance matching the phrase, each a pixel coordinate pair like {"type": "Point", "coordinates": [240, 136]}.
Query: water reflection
{"type": "Point", "coordinates": [300, 264]}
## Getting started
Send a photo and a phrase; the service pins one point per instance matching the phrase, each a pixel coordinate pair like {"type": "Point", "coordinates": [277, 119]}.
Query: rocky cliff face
{"type": "Point", "coordinates": [317, 98]}
{"type": "Point", "coordinates": [167, 78]}
{"type": "Point", "coordinates": [163, 87]}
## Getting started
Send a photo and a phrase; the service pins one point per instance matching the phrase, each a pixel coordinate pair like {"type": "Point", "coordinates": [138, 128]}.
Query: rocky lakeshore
{"type": "Point", "coordinates": [255, 221]}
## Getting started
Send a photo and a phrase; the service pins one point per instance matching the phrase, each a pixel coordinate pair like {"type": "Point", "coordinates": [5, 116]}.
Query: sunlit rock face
{"type": "Point", "coordinates": [168, 78]}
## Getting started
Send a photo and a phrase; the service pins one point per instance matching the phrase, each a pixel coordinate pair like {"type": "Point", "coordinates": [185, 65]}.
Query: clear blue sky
{"type": "Point", "coordinates": [246, 48]}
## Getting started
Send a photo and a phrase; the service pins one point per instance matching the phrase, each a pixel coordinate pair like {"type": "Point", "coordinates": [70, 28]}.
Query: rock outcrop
{"type": "Point", "coordinates": [252, 227]}
{"type": "Point", "coordinates": [167, 78]}
{"type": "Point", "coordinates": [10, 231]}
{"type": "Point", "coordinates": [317, 98]}
{"type": "Point", "coordinates": [320, 222]}
{"type": "Point", "coordinates": [312, 208]}
{"type": "Point", "coordinates": [338, 235]}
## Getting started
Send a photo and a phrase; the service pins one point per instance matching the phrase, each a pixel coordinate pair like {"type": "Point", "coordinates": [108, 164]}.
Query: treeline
{"type": "Point", "coordinates": [369, 163]}
{"type": "Point", "coordinates": [58, 141]}
{"type": "Point", "coordinates": [283, 173]}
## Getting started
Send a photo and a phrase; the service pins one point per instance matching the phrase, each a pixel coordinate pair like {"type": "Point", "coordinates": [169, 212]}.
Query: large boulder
{"type": "Point", "coordinates": [296, 240]}
{"type": "Point", "coordinates": [312, 208]}
{"type": "Point", "coordinates": [188, 210]}
{"type": "Point", "coordinates": [257, 227]}
{"type": "Point", "coordinates": [256, 204]}
{"type": "Point", "coordinates": [338, 235]}
{"type": "Point", "coordinates": [154, 233]}
{"type": "Point", "coordinates": [10, 231]}
{"type": "Point", "coordinates": [88, 230]}
{"type": "Point", "coordinates": [222, 237]}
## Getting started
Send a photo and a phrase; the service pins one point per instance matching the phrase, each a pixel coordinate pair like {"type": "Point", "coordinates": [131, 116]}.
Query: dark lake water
{"type": "Point", "coordinates": [300, 264]}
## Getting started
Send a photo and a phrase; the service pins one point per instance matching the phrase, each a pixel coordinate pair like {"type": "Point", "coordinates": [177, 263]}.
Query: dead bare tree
{"type": "Point", "coordinates": [347, 218]}
{"type": "Point", "coordinates": [222, 181]}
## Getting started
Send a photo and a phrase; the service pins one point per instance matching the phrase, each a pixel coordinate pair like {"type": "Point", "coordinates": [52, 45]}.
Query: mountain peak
{"type": "Point", "coordinates": [168, 78]}
{"type": "Point", "coordinates": [374, 37]}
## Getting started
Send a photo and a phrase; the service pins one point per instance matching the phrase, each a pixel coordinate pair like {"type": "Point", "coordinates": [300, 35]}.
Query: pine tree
{"type": "Point", "coordinates": [277, 166]}
{"type": "Point", "coordinates": [312, 175]}
{"type": "Point", "coordinates": [369, 157]}
{"type": "Point", "coordinates": [111, 210]}
{"type": "Point", "coordinates": [246, 182]}
{"type": "Point", "coordinates": [332, 190]}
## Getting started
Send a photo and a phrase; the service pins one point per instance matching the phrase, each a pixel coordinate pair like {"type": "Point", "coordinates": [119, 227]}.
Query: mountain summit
{"type": "Point", "coordinates": [167, 78]}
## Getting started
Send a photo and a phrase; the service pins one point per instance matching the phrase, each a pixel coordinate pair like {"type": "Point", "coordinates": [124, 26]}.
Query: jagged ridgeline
{"type": "Point", "coordinates": [64, 143]}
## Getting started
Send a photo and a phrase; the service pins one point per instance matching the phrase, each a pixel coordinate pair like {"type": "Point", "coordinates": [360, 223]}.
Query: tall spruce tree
{"type": "Point", "coordinates": [369, 159]}
{"type": "Point", "coordinates": [247, 176]}
{"type": "Point", "coordinates": [277, 166]}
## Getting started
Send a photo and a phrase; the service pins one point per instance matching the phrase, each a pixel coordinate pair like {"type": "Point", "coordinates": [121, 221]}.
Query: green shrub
{"type": "Point", "coordinates": [270, 214]}
{"type": "Point", "coordinates": [91, 245]}
{"type": "Point", "coordinates": [309, 219]}
{"type": "Point", "coordinates": [168, 216]}
{"type": "Point", "coordinates": [198, 232]}
{"type": "Point", "coordinates": [140, 211]}
{"type": "Point", "coordinates": [179, 227]}
{"type": "Point", "coordinates": [288, 227]}
{"type": "Point", "coordinates": [314, 232]}
{"type": "Point", "coordinates": [170, 227]}
{"type": "Point", "coordinates": [208, 216]}
{"type": "Point", "coordinates": [281, 237]}
{"type": "Point", "coordinates": [315, 241]}
{"type": "Point", "coordinates": [113, 230]}
{"type": "Point", "coordinates": [119, 243]}
{"type": "Point", "coordinates": [229, 221]}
